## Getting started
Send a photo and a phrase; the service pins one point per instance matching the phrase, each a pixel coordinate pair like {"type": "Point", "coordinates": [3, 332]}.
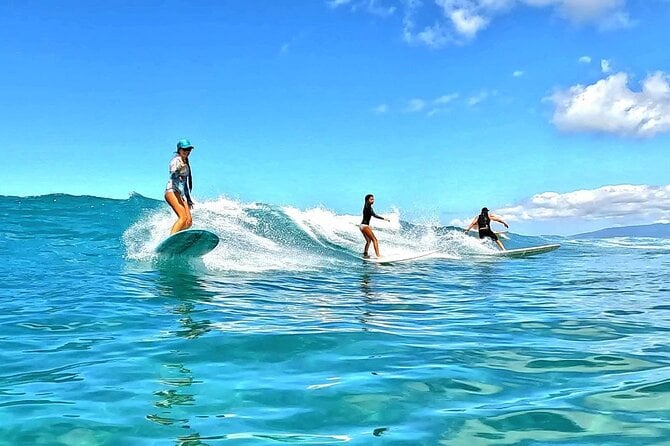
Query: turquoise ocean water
{"type": "Point", "coordinates": [282, 336]}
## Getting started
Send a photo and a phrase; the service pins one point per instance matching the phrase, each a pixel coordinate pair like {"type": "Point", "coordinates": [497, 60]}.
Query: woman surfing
{"type": "Point", "coordinates": [178, 188]}
{"type": "Point", "coordinates": [365, 228]}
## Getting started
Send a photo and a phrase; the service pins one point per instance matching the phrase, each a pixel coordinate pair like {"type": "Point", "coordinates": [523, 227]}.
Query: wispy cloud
{"type": "Point", "coordinates": [376, 7]}
{"type": "Point", "coordinates": [420, 105]}
{"type": "Point", "coordinates": [607, 203]}
{"type": "Point", "coordinates": [415, 105]}
{"type": "Point", "coordinates": [585, 59]}
{"type": "Point", "coordinates": [458, 21]}
{"type": "Point", "coordinates": [439, 104]}
{"type": "Point", "coordinates": [605, 66]}
{"type": "Point", "coordinates": [381, 109]}
{"type": "Point", "coordinates": [480, 97]}
{"type": "Point", "coordinates": [518, 73]}
{"type": "Point", "coordinates": [445, 99]}
{"type": "Point", "coordinates": [336, 3]}
{"type": "Point", "coordinates": [610, 106]}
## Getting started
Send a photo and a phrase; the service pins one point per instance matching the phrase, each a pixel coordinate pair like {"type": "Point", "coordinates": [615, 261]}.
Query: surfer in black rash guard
{"type": "Point", "coordinates": [368, 213]}
{"type": "Point", "coordinates": [483, 223]}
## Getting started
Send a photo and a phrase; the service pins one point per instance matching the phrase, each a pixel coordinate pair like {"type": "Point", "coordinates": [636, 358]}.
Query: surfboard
{"type": "Point", "coordinates": [385, 260]}
{"type": "Point", "coordinates": [188, 243]}
{"type": "Point", "coordinates": [527, 252]}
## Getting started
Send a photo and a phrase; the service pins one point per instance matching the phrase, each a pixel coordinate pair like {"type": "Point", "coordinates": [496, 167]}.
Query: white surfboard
{"type": "Point", "coordinates": [188, 243]}
{"type": "Point", "coordinates": [384, 260]}
{"type": "Point", "coordinates": [526, 252]}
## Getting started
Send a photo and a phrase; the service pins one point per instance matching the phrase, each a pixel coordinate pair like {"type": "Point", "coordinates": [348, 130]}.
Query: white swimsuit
{"type": "Point", "coordinates": [179, 173]}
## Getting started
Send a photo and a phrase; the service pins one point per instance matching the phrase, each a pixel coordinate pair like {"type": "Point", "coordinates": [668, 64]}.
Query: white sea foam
{"type": "Point", "coordinates": [256, 237]}
{"type": "Point", "coordinates": [639, 243]}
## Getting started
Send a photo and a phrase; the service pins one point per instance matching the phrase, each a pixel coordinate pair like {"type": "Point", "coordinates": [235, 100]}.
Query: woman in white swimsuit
{"type": "Point", "coordinates": [178, 188]}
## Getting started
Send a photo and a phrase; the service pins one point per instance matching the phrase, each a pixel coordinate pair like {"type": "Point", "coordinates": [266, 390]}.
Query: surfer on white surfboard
{"type": "Point", "coordinates": [178, 188]}
{"type": "Point", "coordinates": [366, 230]}
{"type": "Point", "coordinates": [483, 223]}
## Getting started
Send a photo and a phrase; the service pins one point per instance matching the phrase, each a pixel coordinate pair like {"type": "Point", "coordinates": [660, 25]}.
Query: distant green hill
{"type": "Point", "coordinates": [658, 230]}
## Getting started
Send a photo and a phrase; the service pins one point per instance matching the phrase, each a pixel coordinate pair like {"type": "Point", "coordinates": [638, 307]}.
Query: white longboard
{"type": "Point", "coordinates": [188, 243]}
{"type": "Point", "coordinates": [397, 259]}
{"type": "Point", "coordinates": [526, 252]}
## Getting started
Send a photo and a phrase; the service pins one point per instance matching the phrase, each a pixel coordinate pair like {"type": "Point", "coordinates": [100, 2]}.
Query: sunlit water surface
{"type": "Point", "coordinates": [283, 336]}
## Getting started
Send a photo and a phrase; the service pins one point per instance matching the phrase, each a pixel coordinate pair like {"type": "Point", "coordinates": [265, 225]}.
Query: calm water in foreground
{"type": "Point", "coordinates": [282, 336]}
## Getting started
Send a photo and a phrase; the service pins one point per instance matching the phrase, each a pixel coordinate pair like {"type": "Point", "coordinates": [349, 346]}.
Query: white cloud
{"type": "Point", "coordinates": [610, 106]}
{"type": "Point", "coordinates": [604, 203]}
{"type": "Point", "coordinates": [436, 23]}
{"type": "Point", "coordinates": [464, 19]}
{"type": "Point", "coordinates": [434, 36]}
{"type": "Point", "coordinates": [605, 66]}
{"type": "Point", "coordinates": [517, 73]}
{"type": "Point", "coordinates": [585, 59]}
{"type": "Point", "coordinates": [613, 204]}
{"type": "Point", "coordinates": [377, 7]}
{"type": "Point", "coordinates": [467, 23]}
{"type": "Point", "coordinates": [606, 13]}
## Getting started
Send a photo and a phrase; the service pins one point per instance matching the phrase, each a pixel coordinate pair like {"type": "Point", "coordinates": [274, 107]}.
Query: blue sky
{"type": "Point", "coordinates": [553, 113]}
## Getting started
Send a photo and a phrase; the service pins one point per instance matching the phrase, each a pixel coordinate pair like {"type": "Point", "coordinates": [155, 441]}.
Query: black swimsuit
{"type": "Point", "coordinates": [368, 213]}
{"type": "Point", "coordinates": [484, 224]}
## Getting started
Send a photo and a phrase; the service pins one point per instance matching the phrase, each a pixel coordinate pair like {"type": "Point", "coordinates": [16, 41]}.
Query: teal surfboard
{"type": "Point", "coordinates": [188, 243]}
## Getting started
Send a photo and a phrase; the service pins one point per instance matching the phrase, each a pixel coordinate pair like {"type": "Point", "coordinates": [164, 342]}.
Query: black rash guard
{"type": "Point", "coordinates": [368, 213]}
{"type": "Point", "coordinates": [484, 223]}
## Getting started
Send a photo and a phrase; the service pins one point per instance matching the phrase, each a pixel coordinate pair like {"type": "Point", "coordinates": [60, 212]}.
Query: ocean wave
{"type": "Point", "coordinates": [262, 237]}
{"type": "Point", "coordinates": [255, 237]}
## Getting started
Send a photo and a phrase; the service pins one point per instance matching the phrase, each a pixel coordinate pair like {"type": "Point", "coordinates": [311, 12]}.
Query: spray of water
{"type": "Point", "coordinates": [258, 237]}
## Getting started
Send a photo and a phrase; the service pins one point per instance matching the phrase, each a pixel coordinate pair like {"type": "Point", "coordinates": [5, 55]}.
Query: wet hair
{"type": "Point", "coordinates": [367, 197]}
{"type": "Point", "coordinates": [190, 175]}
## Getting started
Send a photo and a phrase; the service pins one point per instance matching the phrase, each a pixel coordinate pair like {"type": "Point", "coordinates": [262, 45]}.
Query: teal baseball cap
{"type": "Point", "coordinates": [184, 144]}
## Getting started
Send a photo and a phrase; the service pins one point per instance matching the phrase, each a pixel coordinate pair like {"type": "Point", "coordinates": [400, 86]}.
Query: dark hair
{"type": "Point", "coordinates": [485, 211]}
{"type": "Point", "coordinates": [367, 197]}
{"type": "Point", "coordinates": [190, 176]}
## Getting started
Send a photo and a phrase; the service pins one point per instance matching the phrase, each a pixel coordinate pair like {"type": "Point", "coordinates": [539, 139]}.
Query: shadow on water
{"type": "Point", "coordinates": [185, 283]}
{"type": "Point", "coordinates": [366, 285]}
